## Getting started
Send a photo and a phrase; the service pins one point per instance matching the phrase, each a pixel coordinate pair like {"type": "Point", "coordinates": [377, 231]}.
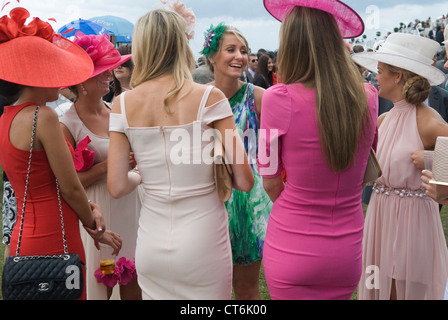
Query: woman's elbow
{"type": "Point", "coordinates": [114, 190]}
{"type": "Point", "coordinates": [246, 184]}
{"type": "Point", "coordinates": [272, 186]}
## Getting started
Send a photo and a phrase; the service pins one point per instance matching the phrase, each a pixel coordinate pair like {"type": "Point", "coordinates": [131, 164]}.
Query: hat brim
{"type": "Point", "coordinates": [36, 62]}
{"type": "Point", "coordinates": [100, 69]}
{"type": "Point", "coordinates": [369, 60]}
{"type": "Point", "coordinates": [349, 22]}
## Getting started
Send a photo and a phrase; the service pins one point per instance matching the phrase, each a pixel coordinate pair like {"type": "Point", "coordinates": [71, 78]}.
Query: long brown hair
{"type": "Point", "coordinates": [312, 51]}
{"type": "Point", "coordinates": [262, 69]}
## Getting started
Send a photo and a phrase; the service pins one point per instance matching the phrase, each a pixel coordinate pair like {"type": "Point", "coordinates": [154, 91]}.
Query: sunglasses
{"type": "Point", "coordinates": [254, 60]}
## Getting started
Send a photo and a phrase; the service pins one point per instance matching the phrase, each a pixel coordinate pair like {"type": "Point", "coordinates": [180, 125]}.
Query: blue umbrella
{"type": "Point", "coordinates": [85, 26]}
{"type": "Point", "coordinates": [120, 27]}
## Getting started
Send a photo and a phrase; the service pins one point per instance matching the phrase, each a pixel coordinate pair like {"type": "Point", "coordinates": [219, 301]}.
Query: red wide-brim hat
{"type": "Point", "coordinates": [349, 22]}
{"type": "Point", "coordinates": [36, 62]}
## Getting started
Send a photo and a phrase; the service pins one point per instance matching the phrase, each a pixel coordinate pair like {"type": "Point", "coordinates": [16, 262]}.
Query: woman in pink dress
{"type": "Point", "coordinates": [404, 249]}
{"type": "Point", "coordinates": [319, 127]}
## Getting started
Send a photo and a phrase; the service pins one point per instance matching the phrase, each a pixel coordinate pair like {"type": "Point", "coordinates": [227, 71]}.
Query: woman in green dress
{"type": "Point", "coordinates": [227, 53]}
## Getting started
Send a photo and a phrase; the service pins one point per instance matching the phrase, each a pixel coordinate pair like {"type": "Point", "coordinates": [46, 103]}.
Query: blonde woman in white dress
{"type": "Point", "coordinates": [183, 247]}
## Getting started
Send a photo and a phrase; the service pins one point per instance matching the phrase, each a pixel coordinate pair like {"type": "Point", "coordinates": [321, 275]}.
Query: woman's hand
{"type": "Point", "coordinates": [112, 239]}
{"type": "Point", "coordinates": [108, 237]}
{"type": "Point", "coordinates": [430, 188]}
{"type": "Point", "coordinates": [98, 217]}
{"type": "Point", "coordinates": [436, 192]}
{"type": "Point", "coordinates": [418, 159]}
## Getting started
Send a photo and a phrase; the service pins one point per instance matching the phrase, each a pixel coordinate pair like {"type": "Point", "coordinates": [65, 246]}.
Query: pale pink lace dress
{"type": "Point", "coordinates": [403, 237]}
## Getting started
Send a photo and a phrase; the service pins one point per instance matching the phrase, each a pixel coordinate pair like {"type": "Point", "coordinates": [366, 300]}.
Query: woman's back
{"type": "Point", "coordinates": [318, 210]}
{"type": "Point", "coordinates": [183, 247]}
{"type": "Point", "coordinates": [173, 151]}
{"type": "Point", "coordinates": [145, 104]}
{"type": "Point", "coordinates": [42, 233]}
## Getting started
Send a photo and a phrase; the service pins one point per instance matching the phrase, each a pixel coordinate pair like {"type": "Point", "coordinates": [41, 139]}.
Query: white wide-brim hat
{"type": "Point", "coordinates": [406, 51]}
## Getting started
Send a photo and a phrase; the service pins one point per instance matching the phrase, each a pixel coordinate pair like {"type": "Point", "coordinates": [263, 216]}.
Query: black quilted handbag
{"type": "Point", "coordinates": [53, 277]}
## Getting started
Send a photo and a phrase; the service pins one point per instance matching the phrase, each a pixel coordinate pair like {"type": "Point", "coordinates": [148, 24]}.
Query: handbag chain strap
{"type": "Point", "coordinates": [19, 241]}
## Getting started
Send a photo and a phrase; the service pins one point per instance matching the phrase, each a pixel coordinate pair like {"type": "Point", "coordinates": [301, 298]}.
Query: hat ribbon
{"type": "Point", "coordinates": [392, 48]}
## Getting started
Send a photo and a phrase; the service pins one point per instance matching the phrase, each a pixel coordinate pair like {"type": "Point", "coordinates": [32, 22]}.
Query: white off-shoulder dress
{"type": "Point", "coordinates": [183, 247]}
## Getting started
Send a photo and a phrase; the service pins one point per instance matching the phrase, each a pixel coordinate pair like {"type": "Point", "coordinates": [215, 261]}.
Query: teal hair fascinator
{"type": "Point", "coordinates": [212, 36]}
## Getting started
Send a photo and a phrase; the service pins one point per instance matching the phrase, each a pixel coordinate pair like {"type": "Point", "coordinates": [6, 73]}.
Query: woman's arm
{"type": "Point", "coordinates": [243, 177]}
{"type": "Point", "coordinates": [51, 138]}
{"type": "Point", "coordinates": [120, 181]}
{"type": "Point", "coordinates": [273, 187]}
{"type": "Point", "coordinates": [430, 126]}
{"type": "Point", "coordinates": [258, 94]}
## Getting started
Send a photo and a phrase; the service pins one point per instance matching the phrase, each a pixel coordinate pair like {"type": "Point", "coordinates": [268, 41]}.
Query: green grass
{"type": "Point", "coordinates": [264, 292]}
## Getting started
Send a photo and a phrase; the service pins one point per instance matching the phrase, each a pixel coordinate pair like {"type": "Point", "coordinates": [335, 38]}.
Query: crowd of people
{"type": "Point", "coordinates": [131, 152]}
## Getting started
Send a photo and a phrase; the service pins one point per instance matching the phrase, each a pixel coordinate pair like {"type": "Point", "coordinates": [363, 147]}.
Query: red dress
{"type": "Point", "coordinates": [42, 231]}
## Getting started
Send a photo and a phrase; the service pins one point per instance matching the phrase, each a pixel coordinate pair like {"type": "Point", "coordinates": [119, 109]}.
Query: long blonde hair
{"type": "Point", "coordinates": [160, 47]}
{"type": "Point", "coordinates": [312, 51]}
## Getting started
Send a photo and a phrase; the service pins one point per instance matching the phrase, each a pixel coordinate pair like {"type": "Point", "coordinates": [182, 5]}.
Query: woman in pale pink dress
{"type": "Point", "coordinates": [404, 249]}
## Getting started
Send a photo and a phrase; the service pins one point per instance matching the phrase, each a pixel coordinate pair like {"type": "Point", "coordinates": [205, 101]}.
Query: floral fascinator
{"type": "Point", "coordinates": [212, 37]}
{"type": "Point", "coordinates": [184, 12]}
{"type": "Point", "coordinates": [33, 55]}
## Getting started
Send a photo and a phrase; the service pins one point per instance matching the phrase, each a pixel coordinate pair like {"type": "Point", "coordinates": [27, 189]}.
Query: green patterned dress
{"type": "Point", "coordinates": [248, 211]}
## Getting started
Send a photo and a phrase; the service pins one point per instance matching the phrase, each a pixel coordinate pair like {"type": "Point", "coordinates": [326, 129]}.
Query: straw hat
{"type": "Point", "coordinates": [102, 52]}
{"type": "Point", "coordinates": [32, 55]}
{"type": "Point", "coordinates": [349, 22]}
{"type": "Point", "coordinates": [406, 51]}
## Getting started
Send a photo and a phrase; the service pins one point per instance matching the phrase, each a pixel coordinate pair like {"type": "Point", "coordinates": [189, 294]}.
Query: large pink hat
{"type": "Point", "coordinates": [102, 52]}
{"type": "Point", "coordinates": [349, 22]}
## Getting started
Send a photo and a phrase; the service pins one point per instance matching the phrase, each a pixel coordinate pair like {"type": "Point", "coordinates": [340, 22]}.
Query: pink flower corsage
{"type": "Point", "coordinates": [124, 273]}
{"type": "Point", "coordinates": [84, 158]}
{"type": "Point", "coordinates": [125, 270]}
{"type": "Point", "coordinates": [109, 280]}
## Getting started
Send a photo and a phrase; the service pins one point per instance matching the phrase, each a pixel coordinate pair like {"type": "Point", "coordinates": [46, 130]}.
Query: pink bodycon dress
{"type": "Point", "coordinates": [313, 245]}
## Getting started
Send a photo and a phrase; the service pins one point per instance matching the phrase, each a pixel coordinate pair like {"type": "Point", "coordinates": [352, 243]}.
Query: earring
{"type": "Point", "coordinates": [84, 91]}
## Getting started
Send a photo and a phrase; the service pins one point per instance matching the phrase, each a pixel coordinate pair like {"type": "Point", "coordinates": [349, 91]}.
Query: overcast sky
{"type": "Point", "coordinates": [247, 15]}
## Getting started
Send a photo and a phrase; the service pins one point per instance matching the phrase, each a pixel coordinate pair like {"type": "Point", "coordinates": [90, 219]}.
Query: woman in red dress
{"type": "Point", "coordinates": [35, 64]}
